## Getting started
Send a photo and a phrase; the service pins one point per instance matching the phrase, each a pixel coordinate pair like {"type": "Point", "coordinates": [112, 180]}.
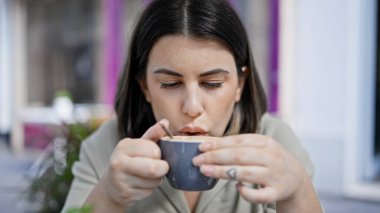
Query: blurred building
{"type": "Point", "coordinates": [318, 60]}
{"type": "Point", "coordinates": [328, 71]}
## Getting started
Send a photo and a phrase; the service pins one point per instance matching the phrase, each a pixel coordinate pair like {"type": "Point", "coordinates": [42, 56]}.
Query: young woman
{"type": "Point", "coordinates": [190, 68]}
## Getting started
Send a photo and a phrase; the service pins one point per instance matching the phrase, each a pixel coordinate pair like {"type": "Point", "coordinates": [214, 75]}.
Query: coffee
{"type": "Point", "coordinates": [189, 139]}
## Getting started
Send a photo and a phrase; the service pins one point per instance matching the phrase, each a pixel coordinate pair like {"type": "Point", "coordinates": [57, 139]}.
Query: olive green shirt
{"type": "Point", "coordinates": [97, 149]}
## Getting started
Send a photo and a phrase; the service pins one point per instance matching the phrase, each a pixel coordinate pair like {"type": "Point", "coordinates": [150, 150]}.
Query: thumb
{"type": "Point", "coordinates": [156, 132]}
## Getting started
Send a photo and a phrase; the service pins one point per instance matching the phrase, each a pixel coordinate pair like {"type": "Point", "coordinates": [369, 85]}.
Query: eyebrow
{"type": "Point", "coordinates": [207, 73]}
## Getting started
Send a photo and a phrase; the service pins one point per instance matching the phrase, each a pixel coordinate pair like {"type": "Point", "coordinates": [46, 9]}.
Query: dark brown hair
{"type": "Point", "coordinates": [210, 19]}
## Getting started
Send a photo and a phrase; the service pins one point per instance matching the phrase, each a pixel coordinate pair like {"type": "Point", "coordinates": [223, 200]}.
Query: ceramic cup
{"type": "Point", "coordinates": [183, 175]}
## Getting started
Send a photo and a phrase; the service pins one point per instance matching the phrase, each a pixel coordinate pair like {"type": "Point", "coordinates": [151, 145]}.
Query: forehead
{"type": "Point", "coordinates": [179, 52]}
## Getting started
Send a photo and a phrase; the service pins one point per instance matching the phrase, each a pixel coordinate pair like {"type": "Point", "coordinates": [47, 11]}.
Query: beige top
{"type": "Point", "coordinates": [97, 149]}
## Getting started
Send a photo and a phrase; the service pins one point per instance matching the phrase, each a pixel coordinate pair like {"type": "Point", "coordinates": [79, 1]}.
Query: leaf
{"type": "Point", "coordinates": [84, 209]}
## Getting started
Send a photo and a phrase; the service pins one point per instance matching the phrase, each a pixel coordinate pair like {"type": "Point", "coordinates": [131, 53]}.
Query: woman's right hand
{"type": "Point", "coordinates": [135, 169]}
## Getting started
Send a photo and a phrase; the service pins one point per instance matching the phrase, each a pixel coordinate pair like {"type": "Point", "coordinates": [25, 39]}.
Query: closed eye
{"type": "Point", "coordinates": [212, 85]}
{"type": "Point", "coordinates": [164, 85]}
{"type": "Point", "coordinates": [206, 84]}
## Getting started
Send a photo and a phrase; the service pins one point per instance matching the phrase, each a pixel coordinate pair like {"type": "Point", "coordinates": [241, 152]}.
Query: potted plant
{"type": "Point", "coordinates": [50, 182]}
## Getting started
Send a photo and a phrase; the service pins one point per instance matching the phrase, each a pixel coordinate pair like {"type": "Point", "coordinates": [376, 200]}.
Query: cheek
{"type": "Point", "coordinates": [221, 104]}
{"type": "Point", "coordinates": [163, 106]}
{"type": "Point", "coordinates": [221, 108]}
{"type": "Point", "coordinates": [225, 98]}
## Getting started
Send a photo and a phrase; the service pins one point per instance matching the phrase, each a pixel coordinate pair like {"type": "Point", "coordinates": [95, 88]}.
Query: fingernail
{"type": "Point", "coordinates": [198, 160]}
{"type": "Point", "coordinates": [239, 185]}
{"type": "Point", "coordinates": [205, 146]}
{"type": "Point", "coordinates": [157, 153]}
{"type": "Point", "coordinates": [207, 170]}
{"type": "Point", "coordinates": [164, 121]}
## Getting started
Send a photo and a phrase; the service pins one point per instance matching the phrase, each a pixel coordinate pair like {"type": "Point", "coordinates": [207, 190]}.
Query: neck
{"type": "Point", "coordinates": [192, 199]}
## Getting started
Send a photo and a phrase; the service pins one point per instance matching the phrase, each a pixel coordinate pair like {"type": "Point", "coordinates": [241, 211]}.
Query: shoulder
{"type": "Point", "coordinates": [106, 136]}
{"type": "Point", "coordinates": [283, 134]}
{"type": "Point", "coordinates": [99, 146]}
{"type": "Point", "coordinates": [271, 125]}
{"type": "Point", "coordinates": [279, 130]}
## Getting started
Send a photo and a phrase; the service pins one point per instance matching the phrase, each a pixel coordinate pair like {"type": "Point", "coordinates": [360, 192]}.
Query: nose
{"type": "Point", "coordinates": [192, 104]}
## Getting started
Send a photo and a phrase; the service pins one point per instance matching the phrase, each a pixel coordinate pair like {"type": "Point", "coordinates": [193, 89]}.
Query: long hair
{"type": "Point", "coordinates": [210, 19]}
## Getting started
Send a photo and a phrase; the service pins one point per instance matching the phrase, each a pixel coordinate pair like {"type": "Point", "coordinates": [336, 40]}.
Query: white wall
{"type": "Point", "coordinates": [333, 48]}
{"type": "Point", "coordinates": [320, 72]}
{"type": "Point", "coordinates": [18, 66]}
{"type": "Point", "coordinates": [5, 70]}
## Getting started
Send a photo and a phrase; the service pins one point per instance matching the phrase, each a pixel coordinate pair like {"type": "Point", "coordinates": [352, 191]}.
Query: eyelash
{"type": "Point", "coordinates": [213, 84]}
{"type": "Point", "coordinates": [169, 85]}
{"type": "Point", "coordinates": [209, 85]}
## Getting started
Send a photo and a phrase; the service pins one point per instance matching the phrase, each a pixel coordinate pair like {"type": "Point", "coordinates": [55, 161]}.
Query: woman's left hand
{"type": "Point", "coordinates": [255, 159]}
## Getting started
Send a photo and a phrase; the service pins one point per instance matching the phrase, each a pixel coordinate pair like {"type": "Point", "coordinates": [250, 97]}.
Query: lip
{"type": "Point", "coordinates": [193, 130]}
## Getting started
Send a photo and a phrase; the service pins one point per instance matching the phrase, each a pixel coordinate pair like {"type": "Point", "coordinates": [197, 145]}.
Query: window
{"type": "Point", "coordinates": [62, 44]}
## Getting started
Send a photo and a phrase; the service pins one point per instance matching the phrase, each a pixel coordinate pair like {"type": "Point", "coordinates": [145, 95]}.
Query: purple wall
{"type": "Point", "coordinates": [273, 58]}
{"type": "Point", "coordinates": [113, 15]}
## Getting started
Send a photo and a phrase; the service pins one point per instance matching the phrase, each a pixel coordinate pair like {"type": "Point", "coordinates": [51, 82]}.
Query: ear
{"type": "Point", "coordinates": [241, 83]}
{"type": "Point", "coordinates": [144, 89]}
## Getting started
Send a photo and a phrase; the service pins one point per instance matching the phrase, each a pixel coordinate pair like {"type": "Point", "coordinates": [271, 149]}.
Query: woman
{"type": "Point", "coordinates": [191, 69]}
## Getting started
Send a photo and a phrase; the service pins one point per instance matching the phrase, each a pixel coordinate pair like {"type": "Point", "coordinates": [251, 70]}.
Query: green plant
{"type": "Point", "coordinates": [51, 182]}
{"type": "Point", "coordinates": [84, 209]}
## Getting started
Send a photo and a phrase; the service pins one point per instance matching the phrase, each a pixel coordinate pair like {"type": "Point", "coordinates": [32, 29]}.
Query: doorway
{"type": "Point", "coordinates": [377, 101]}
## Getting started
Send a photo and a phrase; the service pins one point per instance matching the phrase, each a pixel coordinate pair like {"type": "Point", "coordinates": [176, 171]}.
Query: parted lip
{"type": "Point", "coordinates": [193, 130]}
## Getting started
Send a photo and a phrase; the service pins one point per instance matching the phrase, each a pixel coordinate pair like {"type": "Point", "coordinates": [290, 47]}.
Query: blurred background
{"type": "Point", "coordinates": [60, 60]}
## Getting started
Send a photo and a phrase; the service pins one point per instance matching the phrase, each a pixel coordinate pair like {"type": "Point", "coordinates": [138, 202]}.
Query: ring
{"type": "Point", "coordinates": [231, 173]}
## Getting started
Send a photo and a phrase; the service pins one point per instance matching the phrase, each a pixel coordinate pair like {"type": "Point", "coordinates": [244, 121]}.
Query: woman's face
{"type": "Point", "coordinates": [193, 83]}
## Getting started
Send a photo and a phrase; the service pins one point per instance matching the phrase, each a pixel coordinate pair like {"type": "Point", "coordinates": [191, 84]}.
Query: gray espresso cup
{"type": "Point", "coordinates": [179, 153]}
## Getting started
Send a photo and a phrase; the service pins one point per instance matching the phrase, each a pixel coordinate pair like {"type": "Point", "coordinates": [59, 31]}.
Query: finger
{"type": "Point", "coordinates": [249, 174]}
{"type": "Point", "coordinates": [133, 195]}
{"type": "Point", "coordinates": [242, 140]}
{"type": "Point", "coordinates": [232, 156]}
{"type": "Point", "coordinates": [262, 195]}
{"type": "Point", "coordinates": [129, 181]}
{"type": "Point", "coordinates": [147, 167]}
{"type": "Point", "coordinates": [155, 132]}
{"type": "Point", "coordinates": [139, 148]}
{"type": "Point", "coordinates": [143, 183]}
{"type": "Point", "coordinates": [143, 193]}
